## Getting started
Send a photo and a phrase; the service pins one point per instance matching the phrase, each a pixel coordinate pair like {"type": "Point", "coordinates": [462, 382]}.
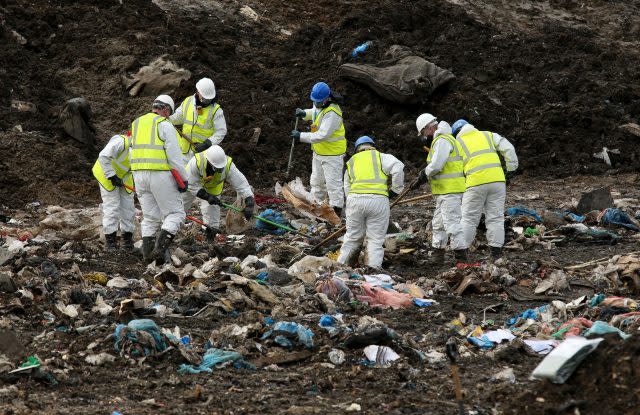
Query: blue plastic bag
{"type": "Point", "coordinates": [212, 358]}
{"type": "Point", "coordinates": [615, 216]}
{"type": "Point", "coordinates": [273, 216]}
{"type": "Point", "coordinates": [360, 49]}
{"type": "Point", "coordinates": [602, 327]}
{"type": "Point", "coordinates": [523, 211]}
{"type": "Point", "coordinates": [420, 302]}
{"type": "Point", "coordinates": [531, 313]}
{"type": "Point", "coordinates": [141, 335]}
{"type": "Point", "coordinates": [287, 334]}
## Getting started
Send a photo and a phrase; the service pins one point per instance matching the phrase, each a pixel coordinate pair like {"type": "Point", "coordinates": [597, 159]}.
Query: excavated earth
{"type": "Point", "coordinates": [557, 78]}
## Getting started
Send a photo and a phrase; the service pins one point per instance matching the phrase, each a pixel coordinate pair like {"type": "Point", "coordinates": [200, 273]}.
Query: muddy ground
{"type": "Point", "coordinates": [313, 385]}
{"type": "Point", "coordinates": [557, 78]}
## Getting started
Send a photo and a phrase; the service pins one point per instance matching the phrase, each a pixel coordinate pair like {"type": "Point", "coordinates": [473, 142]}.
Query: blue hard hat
{"type": "Point", "coordinates": [458, 125]}
{"type": "Point", "coordinates": [365, 139]}
{"type": "Point", "coordinates": [320, 92]}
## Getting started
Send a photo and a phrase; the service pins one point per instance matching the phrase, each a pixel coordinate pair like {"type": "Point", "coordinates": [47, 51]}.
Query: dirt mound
{"type": "Point", "coordinates": [555, 83]}
{"type": "Point", "coordinates": [605, 383]}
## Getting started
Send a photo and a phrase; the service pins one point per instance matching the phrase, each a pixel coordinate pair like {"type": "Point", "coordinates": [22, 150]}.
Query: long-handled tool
{"type": "Point", "coordinates": [293, 144]}
{"type": "Point", "coordinates": [277, 225]}
{"type": "Point", "coordinates": [343, 228]}
{"type": "Point", "coordinates": [452, 354]}
{"type": "Point", "coordinates": [199, 222]}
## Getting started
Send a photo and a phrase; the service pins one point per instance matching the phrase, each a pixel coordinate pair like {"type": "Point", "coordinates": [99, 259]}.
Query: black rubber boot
{"type": "Point", "coordinates": [211, 234]}
{"type": "Point", "coordinates": [162, 245]}
{"type": "Point", "coordinates": [148, 243]}
{"type": "Point", "coordinates": [496, 252]}
{"type": "Point", "coordinates": [338, 210]}
{"type": "Point", "coordinates": [461, 255]}
{"type": "Point", "coordinates": [127, 241]}
{"type": "Point", "coordinates": [437, 258]}
{"type": "Point", "coordinates": [111, 241]}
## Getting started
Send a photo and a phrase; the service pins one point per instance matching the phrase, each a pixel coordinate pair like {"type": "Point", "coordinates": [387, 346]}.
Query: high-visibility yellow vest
{"type": "Point", "coordinates": [147, 148]}
{"type": "Point", "coordinates": [480, 158]}
{"type": "Point", "coordinates": [120, 164]}
{"type": "Point", "coordinates": [212, 184]}
{"type": "Point", "coordinates": [451, 178]}
{"type": "Point", "coordinates": [366, 175]}
{"type": "Point", "coordinates": [336, 144]}
{"type": "Point", "coordinates": [198, 123]}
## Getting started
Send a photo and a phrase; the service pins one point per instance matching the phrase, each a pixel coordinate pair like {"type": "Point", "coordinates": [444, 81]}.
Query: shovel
{"type": "Point", "coordinates": [199, 222]}
{"type": "Point", "coordinates": [452, 354]}
{"type": "Point", "coordinates": [293, 143]}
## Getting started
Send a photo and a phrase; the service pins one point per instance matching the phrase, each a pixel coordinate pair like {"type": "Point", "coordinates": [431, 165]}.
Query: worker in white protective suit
{"type": "Point", "coordinates": [113, 172]}
{"type": "Point", "coordinates": [160, 177]}
{"type": "Point", "coordinates": [208, 172]}
{"type": "Point", "coordinates": [444, 171]}
{"type": "Point", "coordinates": [202, 120]}
{"type": "Point", "coordinates": [484, 181]}
{"type": "Point", "coordinates": [368, 193]}
{"type": "Point", "coordinates": [328, 142]}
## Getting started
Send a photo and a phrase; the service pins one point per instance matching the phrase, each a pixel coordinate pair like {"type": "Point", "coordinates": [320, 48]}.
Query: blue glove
{"type": "Point", "coordinates": [295, 134]}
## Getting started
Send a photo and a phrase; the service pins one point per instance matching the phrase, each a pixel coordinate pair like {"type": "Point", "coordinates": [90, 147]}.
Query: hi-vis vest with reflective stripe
{"type": "Point", "coordinates": [451, 178]}
{"type": "Point", "coordinates": [480, 158]}
{"type": "Point", "coordinates": [120, 164]}
{"type": "Point", "coordinates": [147, 149]}
{"type": "Point", "coordinates": [366, 175]}
{"type": "Point", "coordinates": [335, 145]}
{"type": "Point", "coordinates": [212, 184]}
{"type": "Point", "coordinates": [198, 125]}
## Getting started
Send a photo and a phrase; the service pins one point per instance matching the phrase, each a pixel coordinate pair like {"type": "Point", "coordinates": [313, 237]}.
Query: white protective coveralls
{"type": "Point", "coordinates": [487, 198]}
{"type": "Point", "coordinates": [118, 209]}
{"type": "Point", "coordinates": [219, 123]}
{"type": "Point", "coordinates": [445, 224]}
{"type": "Point", "coordinates": [211, 213]}
{"type": "Point", "coordinates": [368, 215]}
{"type": "Point", "coordinates": [157, 190]}
{"type": "Point", "coordinates": [326, 171]}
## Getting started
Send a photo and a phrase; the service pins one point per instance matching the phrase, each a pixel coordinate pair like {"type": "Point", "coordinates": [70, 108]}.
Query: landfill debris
{"type": "Point", "coordinates": [558, 365]}
{"type": "Point", "coordinates": [288, 334]}
{"type": "Point", "coordinates": [296, 194]}
{"type": "Point", "coordinates": [380, 355]}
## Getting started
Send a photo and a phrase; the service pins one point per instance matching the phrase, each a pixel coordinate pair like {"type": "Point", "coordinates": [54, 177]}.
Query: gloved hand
{"type": "Point", "coordinates": [422, 179]}
{"type": "Point", "coordinates": [185, 188]}
{"type": "Point", "coordinates": [295, 134]}
{"type": "Point", "coordinates": [300, 113]}
{"type": "Point", "coordinates": [509, 176]}
{"type": "Point", "coordinates": [116, 181]}
{"type": "Point", "coordinates": [202, 194]}
{"type": "Point", "coordinates": [392, 195]}
{"type": "Point", "coordinates": [213, 200]}
{"type": "Point", "coordinates": [249, 206]}
{"type": "Point", "coordinates": [200, 147]}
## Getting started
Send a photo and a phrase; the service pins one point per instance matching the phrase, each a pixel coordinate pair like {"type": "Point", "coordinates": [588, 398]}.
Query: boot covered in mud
{"type": "Point", "coordinates": [161, 249]}
{"type": "Point", "coordinates": [111, 241]}
{"type": "Point", "coordinates": [461, 255]}
{"type": "Point", "coordinates": [437, 257]}
{"type": "Point", "coordinates": [127, 241]}
{"type": "Point", "coordinates": [148, 243]}
{"type": "Point", "coordinates": [496, 252]}
{"type": "Point", "coordinates": [210, 234]}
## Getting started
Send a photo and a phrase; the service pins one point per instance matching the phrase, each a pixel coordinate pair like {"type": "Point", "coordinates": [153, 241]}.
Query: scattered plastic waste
{"type": "Point", "coordinates": [213, 359]}
{"type": "Point", "coordinates": [288, 334]}
{"type": "Point", "coordinates": [360, 49]}
{"type": "Point", "coordinates": [380, 355]}
{"type": "Point", "coordinates": [139, 338]}
{"type": "Point", "coordinates": [523, 211]}
{"type": "Point", "coordinates": [617, 217]}
{"type": "Point", "coordinates": [558, 365]}
{"type": "Point", "coordinates": [273, 216]}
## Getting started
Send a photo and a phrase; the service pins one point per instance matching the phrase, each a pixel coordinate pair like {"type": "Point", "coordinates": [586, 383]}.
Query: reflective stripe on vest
{"type": "Point", "coordinates": [121, 166]}
{"type": "Point", "coordinates": [366, 175]}
{"type": "Point", "coordinates": [197, 126]}
{"type": "Point", "coordinates": [480, 158]}
{"type": "Point", "coordinates": [451, 177]}
{"type": "Point", "coordinates": [212, 184]}
{"type": "Point", "coordinates": [147, 148]}
{"type": "Point", "coordinates": [336, 144]}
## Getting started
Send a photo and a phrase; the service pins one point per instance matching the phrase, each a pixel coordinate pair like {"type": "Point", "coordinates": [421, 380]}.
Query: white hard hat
{"type": "Point", "coordinates": [215, 155]}
{"type": "Point", "coordinates": [207, 88]}
{"type": "Point", "coordinates": [424, 120]}
{"type": "Point", "coordinates": [165, 99]}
